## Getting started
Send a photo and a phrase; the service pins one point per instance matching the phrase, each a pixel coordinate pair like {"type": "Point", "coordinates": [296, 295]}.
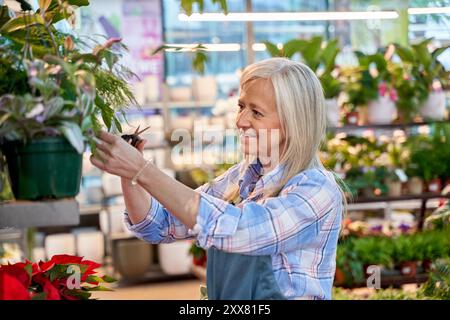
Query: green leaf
{"type": "Point", "coordinates": [107, 115]}
{"type": "Point", "coordinates": [117, 124]}
{"type": "Point", "coordinates": [311, 52]}
{"type": "Point", "coordinates": [55, 11]}
{"type": "Point", "coordinates": [4, 15]}
{"type": "Point", "coordinates": [73, 134]}
{"type": "Point", "coordinates": [4, 117]}
{"type": "Point", "coordinates": [78, 293]}
{"type": "Point", "coordinates": [109, 279]}
{"type": "Point", "coordinates": [329, 54]}
{"type": "Point", "coordinates": [53, 107]}
{"type": "Point", "coordinates": [272, 49]}
{"type": "Point", "coordinates": [438, 51]}
{"type": "Point", "coordinates": [293, 46]}
{"type": "Point", "coordinates": [40, 296]}
{"type": "Point", "coordinates": [96, 288]}
{"type": "Point", "coordinates": [198, 63]}
{"type": "Point", "coordinates": [110, 58]}
{"type": "Point", "coordinates": [22, 22]}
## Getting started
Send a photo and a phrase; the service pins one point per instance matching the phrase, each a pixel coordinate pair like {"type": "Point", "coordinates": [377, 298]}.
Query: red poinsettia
{"type": "Point", "coordinates": [51, 280]}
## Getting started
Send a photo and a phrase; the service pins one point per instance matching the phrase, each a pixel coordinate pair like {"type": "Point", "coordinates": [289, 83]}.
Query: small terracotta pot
{"type": "Point", "coordinates": [426, 265]}
{"type": "Point", "coordinates": [408, 268]}
{"type": "Point", "coordinates": [352, 118]}
{"type": "Point", "coordinates": [434, 185]}
{"type": "Point", "coordinates": [339, 276]}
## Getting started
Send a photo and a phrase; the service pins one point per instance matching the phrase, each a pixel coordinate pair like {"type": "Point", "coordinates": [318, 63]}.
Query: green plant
{"type": "Point", "coordinates": [424, 65]}
{"type": "Point", "coordinates": [370, 79]}
{"type": "Point", "coordinates": [348, 261]}
{"type": "Point", "coordinates": [319, 55]}
{"type": "Point", "coordinates": [429, 155]}
{"type": "Point", "coordinates": [198, 53]}
{"type": "Point", "coordinates": [374, 250]}
{"type": "Point", "coordinates": [429, 245]}
{"type": "Point", "coordinates": [198, 254]}
{"type": "Point", "coordinates": [187, 5]}
{"type": "Point", "coordinates": [405, 249]}
{"type": "Point", "coordinates": [59, 89]}
{"type": "Point", "coordinates": [438, 284]}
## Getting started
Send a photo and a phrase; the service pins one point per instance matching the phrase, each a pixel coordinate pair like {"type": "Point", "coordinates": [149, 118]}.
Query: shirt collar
{"type": "Point", "coordinates": [254, 182]}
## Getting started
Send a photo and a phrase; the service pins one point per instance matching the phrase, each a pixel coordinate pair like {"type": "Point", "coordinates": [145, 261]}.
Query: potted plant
{"type": "Point", "coordinates": [370, 86]}
{"type": "Point", "coordinates": [405, 255]}
{"type": "Point", "coordinates": [49, 109]}
{"type": "Point", "coordinates": [429, 74]}
{"type": "Point", "coordinates": [348, 266]}
{"type": "Point", "coordinates": [320, 56]}
{"type": "Point", "coordinates": [373, 251]}
{"type": "Point", "coordinates": [425, 161]}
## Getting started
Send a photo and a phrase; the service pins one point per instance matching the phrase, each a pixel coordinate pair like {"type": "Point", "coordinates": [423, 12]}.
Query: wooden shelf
{"type": "Point", "coordinates": [24, 214]}
{"type": "Point", "coordinates": [389, 281]}
{"type": "Point", "coordinates": [423, 196]}
{"type": "Point", "coordinates": [389, 126]}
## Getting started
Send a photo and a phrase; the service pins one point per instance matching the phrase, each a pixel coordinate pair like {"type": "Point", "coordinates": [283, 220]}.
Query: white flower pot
{"type": "Point", "coordinates": [434, 107]}
{"type": "Point", "coordinates": [204, 88]}
{"type": "Point", "coordinates": [395, 188]}
{"type": "Point", "coordinates": [90, 245]}
{"type": "Point", "coordinates": [332, 112]}
{"type": "Point", "coordinates": [381, 111]}
{"type": "Point", "coordinates": [62, 243]}
{"type": "Point", "coordinates": [174, 257]}
{"type": "Point", "coordinates": [180, 94]}
{"type": "Point", "coordinates": [151, 85]}
{"type": "Point", "coordinates": [415, 185]}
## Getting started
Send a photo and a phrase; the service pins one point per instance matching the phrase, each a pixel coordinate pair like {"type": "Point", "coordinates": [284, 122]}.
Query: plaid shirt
{"type": "Point", "coordinates": [299, 228]}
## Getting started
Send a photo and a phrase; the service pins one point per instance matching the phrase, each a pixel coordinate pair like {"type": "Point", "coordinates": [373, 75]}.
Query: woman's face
{"type": "Point", "coordinates": [258, 121]}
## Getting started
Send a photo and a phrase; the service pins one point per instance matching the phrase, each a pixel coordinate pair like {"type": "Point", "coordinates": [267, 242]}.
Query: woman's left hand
{"type": "Point", "coordinates": [114, 155]}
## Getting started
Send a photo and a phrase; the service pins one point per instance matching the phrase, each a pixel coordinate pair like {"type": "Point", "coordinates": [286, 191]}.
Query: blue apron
{"type": "Point", "coordinates": [233, 276]}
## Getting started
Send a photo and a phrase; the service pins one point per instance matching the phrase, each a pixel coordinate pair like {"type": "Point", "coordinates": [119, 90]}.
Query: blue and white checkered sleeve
{"type": "Point", "coordinates": [160, 226]}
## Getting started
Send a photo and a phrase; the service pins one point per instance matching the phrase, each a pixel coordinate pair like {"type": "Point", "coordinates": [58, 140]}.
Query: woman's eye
{"type": "Point", "coordinates": [256, 113]}
{"type": "Point", "coordinates": [241, 107]}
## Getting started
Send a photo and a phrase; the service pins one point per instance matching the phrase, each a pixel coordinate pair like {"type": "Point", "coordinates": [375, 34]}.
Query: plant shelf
{"type": "Point", "coordinates": [24, 214]}
{"type": "Point", "coordinates": [390, 126]}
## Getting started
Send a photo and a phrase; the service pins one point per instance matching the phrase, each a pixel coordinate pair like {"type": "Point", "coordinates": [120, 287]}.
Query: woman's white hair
{"type": "Point", "coordinates": [300, 105]}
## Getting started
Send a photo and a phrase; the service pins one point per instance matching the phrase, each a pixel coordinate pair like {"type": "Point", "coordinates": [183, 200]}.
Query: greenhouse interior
{"type": "Point", "coordinates": [225, 149]}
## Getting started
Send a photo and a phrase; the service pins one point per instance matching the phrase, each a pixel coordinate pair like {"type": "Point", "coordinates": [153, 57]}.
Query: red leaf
{"type": "Point", "coordinates": [45, 266]}
{"type": "Point", "coordinates": [11, 288]}
{"type": "Point", "coordinates": [65, 259]}
{"type": "Point", "coordinates": [17, 271]}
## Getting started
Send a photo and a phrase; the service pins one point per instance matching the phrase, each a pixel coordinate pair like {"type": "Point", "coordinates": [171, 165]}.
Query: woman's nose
{"type": "Point", "coordinates": [242, 120]}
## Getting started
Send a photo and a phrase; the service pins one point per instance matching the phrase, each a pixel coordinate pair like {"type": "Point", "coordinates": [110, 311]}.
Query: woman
{"type": "Point", "coordinates": [270, 224]}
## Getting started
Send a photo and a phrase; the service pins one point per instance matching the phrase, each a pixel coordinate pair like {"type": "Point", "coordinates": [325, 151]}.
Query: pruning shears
{"type": "Point", "coordinates": [134, 138]}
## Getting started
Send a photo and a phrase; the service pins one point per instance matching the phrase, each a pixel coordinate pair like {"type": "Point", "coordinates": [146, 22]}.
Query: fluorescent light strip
{"type": "Point", "coordinates": [289, 16]}
{"type": "Point", "coordinates": [435, 10]}
{"type": "Point", "coordinates": [208, 47]}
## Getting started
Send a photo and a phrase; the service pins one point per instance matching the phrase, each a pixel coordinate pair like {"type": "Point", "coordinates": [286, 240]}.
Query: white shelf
{"type": "Point", "coordinates": [174, 105]}
{"type": "Point", "coordinates": [403, 204]}
{"type": "Point", "coordinates": [24, 214]}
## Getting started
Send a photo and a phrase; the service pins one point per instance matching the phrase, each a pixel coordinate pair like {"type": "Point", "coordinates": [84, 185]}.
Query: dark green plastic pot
{"type": "Point", "coordinates": [43, 168]}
